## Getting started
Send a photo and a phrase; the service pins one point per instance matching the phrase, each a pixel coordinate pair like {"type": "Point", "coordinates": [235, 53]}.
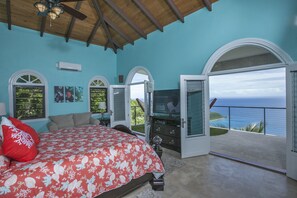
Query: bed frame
{"type": "Point", "coordinates": [157, 185]}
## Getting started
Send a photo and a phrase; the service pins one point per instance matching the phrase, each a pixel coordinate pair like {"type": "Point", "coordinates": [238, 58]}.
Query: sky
{"type": "Point", "coordinates": [137, 91]}
{"type": "Point", "coordinates": [257, 84]}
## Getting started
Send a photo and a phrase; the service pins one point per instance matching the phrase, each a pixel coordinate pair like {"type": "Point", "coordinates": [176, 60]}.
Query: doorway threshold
{"type": "Point", "coordinates": [258, 165]}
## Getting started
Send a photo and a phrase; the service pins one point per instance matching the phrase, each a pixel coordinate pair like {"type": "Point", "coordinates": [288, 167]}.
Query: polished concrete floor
{"type": "Point", "coordinates": [210, 176]}
{"type": "Point", "coordinates": [262, 149]}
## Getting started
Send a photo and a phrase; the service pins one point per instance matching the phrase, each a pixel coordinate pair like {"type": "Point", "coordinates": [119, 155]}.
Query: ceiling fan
{"type": "Point", "coordinates": [53, 9]}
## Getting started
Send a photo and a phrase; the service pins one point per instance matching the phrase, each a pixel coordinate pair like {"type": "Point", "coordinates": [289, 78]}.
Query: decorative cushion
{"type": "Point", "coordinates": [4, 161]}
{"type": "Point", "coordinates": [63, 121]}
{"type": "Point", "coordinates": [24, 127]}
{"type": "Point", "coordinates": [82, 118]}
{"type": "Point", "coordinates": [17, 144]}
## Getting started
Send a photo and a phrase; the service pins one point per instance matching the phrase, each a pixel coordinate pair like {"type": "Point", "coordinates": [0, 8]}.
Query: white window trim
{"type": "Point", "coordinates": [12, 81]}
{"type": "Point", "coordinates": [132, 73]}
{"type": "Point", "coordinates": [106, 85]}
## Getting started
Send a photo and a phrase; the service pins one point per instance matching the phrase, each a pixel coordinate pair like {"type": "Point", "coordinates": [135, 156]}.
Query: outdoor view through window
{"type": "Point", "coordinates": [136, 99]}
{"type": "Point", "coordinates": [250, 101]}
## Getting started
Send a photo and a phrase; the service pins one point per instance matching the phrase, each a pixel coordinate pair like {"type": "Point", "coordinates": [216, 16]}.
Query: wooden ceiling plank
{"type": "Point", "coordinates": [101, 17]}
{"type": "Point", "coordinates": [8, 13]}
{"type": "Point", "coordinates": [71, 24]}
{"type": "Point", "coordinates": [126, 18]}
{"type": "Point", "coordinates": [118, 30]}
{"type": "Point", "coordinates": [148, 14]}
{"type": "Point", "coordinates": [94, 30]}
{"type": "Point", "coordinates": [42, 25]}
{"type": "Point", "coordinates": [208, 4]}
{"type": "Point", "coordinates": [175, 10]}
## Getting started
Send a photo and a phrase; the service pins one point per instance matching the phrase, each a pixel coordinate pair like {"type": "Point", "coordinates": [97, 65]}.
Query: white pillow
{"type": "Point", "coordinates": [6, 122]}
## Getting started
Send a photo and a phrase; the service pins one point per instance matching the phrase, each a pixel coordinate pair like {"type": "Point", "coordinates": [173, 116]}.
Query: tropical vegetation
{"type": "Point", "coordinates": [254, 127]}
{"type": "Point", "coordinates": [137, 117]}
{"type": "Point", "coordinates": [217, 131]}
{"type": "Point", "coordinates": [215, 116]}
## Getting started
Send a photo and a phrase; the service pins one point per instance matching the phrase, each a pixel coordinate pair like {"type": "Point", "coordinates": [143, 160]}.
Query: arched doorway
{"type": "Point", "coordinates": [274, 49]}
{"type": "Point", "coordinates": [244, 56]}
{"type": "Point", "coordinates": [138, 80]}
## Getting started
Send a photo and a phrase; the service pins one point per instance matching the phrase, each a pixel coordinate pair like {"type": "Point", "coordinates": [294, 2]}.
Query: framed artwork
{"type": "Point", "coordinates": [79, 91]}
{"type": "Point", "coordinates": [59, 94]}
{"type": "Point", "coordinates": [69, 94]}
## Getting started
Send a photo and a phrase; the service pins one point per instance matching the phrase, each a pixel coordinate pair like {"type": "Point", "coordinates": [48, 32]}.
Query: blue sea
{"type": "Point", "coordinates": [240, 117]}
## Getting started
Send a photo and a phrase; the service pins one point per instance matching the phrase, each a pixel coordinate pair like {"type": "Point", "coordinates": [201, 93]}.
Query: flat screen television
{"type": "Point", "coordinates": [166, 102]}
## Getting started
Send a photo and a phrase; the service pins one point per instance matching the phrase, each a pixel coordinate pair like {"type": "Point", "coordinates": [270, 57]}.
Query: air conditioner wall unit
{"type": "Point", "coordinates": [69, 66]}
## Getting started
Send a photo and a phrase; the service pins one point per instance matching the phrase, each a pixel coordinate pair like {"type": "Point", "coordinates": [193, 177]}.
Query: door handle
{"type": "Point", "coordinates": [183, 122]}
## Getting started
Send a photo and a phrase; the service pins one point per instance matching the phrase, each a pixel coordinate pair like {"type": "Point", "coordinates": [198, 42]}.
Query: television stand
{"type": "Point", "coordinates": [168, 128]}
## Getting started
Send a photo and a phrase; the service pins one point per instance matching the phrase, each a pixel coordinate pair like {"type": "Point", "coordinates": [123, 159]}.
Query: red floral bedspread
{"type": "Point", "coordinates": [80, 162]}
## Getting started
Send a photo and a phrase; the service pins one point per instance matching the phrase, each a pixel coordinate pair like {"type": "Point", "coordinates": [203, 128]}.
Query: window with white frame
{"type": "Point", "coordinates": [98, 94]}
{"type": "Point", "coordinates": [28, 94]}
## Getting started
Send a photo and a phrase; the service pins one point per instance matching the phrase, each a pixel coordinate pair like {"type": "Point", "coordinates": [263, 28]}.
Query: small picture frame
{"type": "Point", "coordinates": [59, 93]}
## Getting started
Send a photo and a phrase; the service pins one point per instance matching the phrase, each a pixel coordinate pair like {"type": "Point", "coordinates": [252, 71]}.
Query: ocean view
{"type": "Point", "coordinates": [275, 119]}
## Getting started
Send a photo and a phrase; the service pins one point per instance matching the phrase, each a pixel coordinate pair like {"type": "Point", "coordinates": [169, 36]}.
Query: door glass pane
{"type": "Point", "coordinates": [245, 56]}
{"type": "Point", "coordinates": [294, 78]}
{"type": "Point", "coordinates": [119, 104]}
{"type": "Point", "coordinates": [137, 107]}
{"type": "Point", "coordinates": [195, 107]}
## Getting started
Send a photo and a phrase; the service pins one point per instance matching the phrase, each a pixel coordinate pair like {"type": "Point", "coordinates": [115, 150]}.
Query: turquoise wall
{"type": "Point", "coordinates": [24, 49]}
{"type": "Point", "coordinates": [185, 48]}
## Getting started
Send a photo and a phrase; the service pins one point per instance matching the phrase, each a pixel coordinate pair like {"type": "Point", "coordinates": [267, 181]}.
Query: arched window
{"type": "Point", "coordinates": [98, 92]}
{"type": "Point", "coordinates": [28, 90]}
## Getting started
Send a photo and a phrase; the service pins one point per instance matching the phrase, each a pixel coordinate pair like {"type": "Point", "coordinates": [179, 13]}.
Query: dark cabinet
{"type": "Point", "coordinates": [168, 128]}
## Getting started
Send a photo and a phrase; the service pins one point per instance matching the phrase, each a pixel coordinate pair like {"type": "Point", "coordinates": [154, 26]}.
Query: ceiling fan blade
{"type": "Point", "coordinates": [74, 12]}
{"type": "Point", "coordinates": [70, 0]}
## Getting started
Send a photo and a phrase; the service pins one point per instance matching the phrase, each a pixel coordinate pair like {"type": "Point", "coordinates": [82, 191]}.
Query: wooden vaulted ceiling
{"type": "Point", "coordinates": [109, 23]}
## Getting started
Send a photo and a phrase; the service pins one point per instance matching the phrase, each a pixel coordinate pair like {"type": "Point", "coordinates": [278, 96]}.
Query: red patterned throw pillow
{"type": "Point", "coordinates": [24, 127]}
{"type": "Point", "coordinates": [4, 161]}
{"type": "Point", "coordinates": [17, 144]}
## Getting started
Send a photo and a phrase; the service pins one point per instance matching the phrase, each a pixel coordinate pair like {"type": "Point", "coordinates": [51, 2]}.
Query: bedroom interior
{"type": "Point", "coordinates": [175, 43]}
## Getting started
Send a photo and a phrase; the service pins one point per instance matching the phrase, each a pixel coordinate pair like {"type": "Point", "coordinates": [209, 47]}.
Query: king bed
{"type": "Point", "coordinates": [88, 161]}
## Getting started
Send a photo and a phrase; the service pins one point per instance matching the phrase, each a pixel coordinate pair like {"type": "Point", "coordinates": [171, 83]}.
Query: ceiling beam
{"type": "Point", "coordinates": [175, 10]}
{"type": "Point", "coordinates": [108, 44]}
{"type": "Point", "coordinates": [118, 45]}
{"type": "Point", "coordinates": [118, 30]}
{"type": "Point", "coordinates": [208, 4]}
{"type": "Point", "coordinates": [42, 25]}
{"type": "Point", "coordinates": [101, 17]}
{"type": "Point", "coordinates": [71, 24]}
{"type": "Point", "coordinates": [8, 14]}
{"type": "Point", "coordinates": [126, 18]}
{"type": "Point", "coordinates": [148, 14]}
{"type": "Point", "coordinates": [94, 30]}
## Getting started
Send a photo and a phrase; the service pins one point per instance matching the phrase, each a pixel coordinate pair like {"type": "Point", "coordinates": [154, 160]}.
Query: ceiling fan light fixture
{"type": "Point", "coordinates": [52, 15]}
{"type": "Point", "coordinates": [57, 10]}
{"type": "Point", "coordinates": [40, 6]}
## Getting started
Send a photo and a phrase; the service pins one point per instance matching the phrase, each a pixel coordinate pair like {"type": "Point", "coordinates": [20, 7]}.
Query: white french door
{"type": "Point", "coordinates": [119, 105]}
{"type": "Point", "coordinates": [291, 78]}
{"type": "Point", "coordinates": [195, 138]}
{"type": "Point", "coordinates": [148, 95]}
{"type": "Point", "coordinates": [144, 91]}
